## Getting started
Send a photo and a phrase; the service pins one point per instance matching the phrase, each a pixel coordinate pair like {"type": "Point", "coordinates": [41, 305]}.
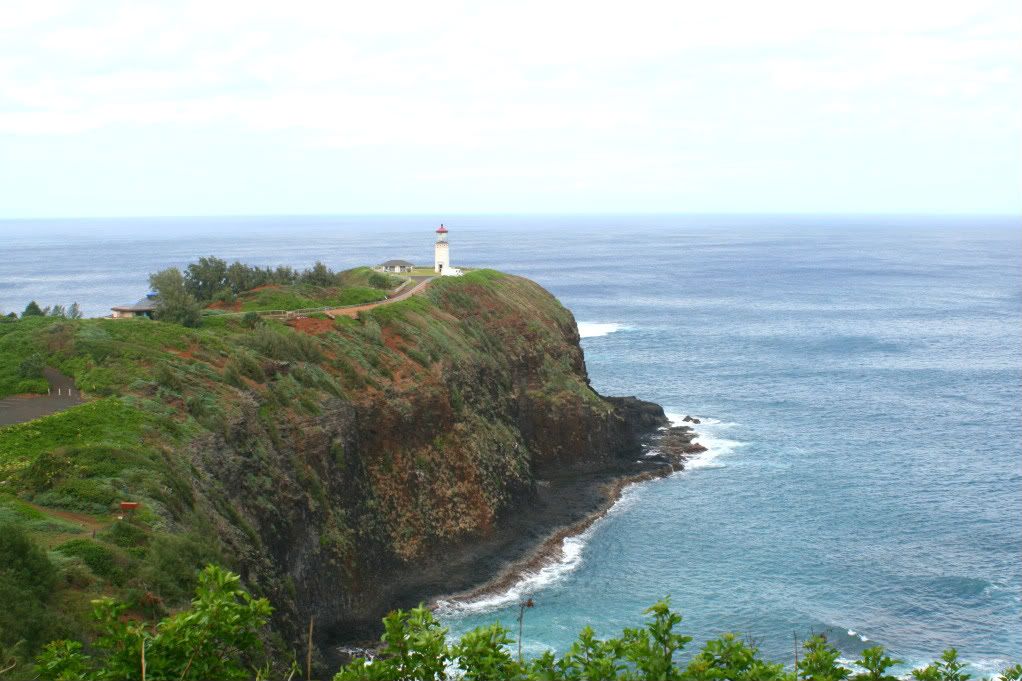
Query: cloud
{"type": "Point", "coordinates": [641, 88]}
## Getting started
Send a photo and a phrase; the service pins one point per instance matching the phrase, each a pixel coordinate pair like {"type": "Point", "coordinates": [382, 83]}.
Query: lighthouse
{"type": "Point", "coordinates": [441, 252]}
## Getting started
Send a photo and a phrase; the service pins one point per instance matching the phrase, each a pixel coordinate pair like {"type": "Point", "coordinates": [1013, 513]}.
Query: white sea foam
{"type": "Point", "coordinates": [571, 547]}
{"type": "Point", "coordinates": [678, 419]}
{"type": "Point", "coordinates": [715, 446]}
{"type": "Point", "coordinates": [530, 582]}
{"type": "Point", "coordinates": [595, 329]}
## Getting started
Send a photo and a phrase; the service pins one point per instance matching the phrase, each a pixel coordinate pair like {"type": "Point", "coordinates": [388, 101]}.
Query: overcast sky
{"type": "Point", "coordinates": [249, 107]}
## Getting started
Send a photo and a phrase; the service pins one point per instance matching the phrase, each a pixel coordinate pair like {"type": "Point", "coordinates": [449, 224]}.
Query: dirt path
{"type": "Point", "coordinates": [86, 521]}
{"type": "Point", "coordinates": [353, 311]}
{"type": "Point", "coordinates": [21, 408]}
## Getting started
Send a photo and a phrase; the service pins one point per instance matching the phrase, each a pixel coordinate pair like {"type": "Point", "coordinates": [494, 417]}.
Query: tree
{"type": "Point", "coordinates": [174, 303]}
{"type": "Point", "coordinates": [203, 279]}
{"type": "Point", "coordinates": [74, 312]}
{"type": "Point", "coordinates": [211, 640]}
{"type": "Point", "coordinates": [947, 668]}
{"type": "Point", "coordinates": [27, 578]}
{"type": "Point", "coordinates": [820, 661]}
{"type": "Point", "coordinates": [319, 275]}
{"type": "Point", "coordinates": [32, 310]}
{"type": "Point", "coordinates": [414, 647]}
{"type": "Point", "coordinates": [876, 664]}
{"type": "Point", "coordinates": [58, 311]}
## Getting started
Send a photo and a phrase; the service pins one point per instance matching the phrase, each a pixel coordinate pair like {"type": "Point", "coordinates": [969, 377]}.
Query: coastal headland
{"type": "Point", "coordinates": [438, 444]}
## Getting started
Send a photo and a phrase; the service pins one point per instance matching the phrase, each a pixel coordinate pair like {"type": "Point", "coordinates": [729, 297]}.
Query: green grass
{"type": "Point", "coordinates": [367, 277]}
{"type": "Point", "coordinates": [302, 297]}
{"type": "Point", "coordinates": [14, 511]}
{"type": "Point", "coordinates": [109, 421]}
{"type": "Point", "coordinates": [277, 298]}
{"type": "Point", "coordinates": [358, 296]}
{"type": "Point", "coordinates": [103, 560]}
{"type": "Point", "coordinates": [16, 346]}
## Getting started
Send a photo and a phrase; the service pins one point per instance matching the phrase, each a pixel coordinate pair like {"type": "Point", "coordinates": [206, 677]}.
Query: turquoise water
{"type": "Point", "coordinates": [862, 378]}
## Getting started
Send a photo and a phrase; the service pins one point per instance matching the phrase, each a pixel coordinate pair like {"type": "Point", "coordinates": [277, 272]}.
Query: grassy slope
{"type": "Point", "coordinates": [157, 387]}
{"type": "Point", "coordinates": [358, 286]}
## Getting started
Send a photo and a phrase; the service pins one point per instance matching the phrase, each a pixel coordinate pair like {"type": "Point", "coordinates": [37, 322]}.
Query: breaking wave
{"type": "Point", "coordinates": [596, 329]}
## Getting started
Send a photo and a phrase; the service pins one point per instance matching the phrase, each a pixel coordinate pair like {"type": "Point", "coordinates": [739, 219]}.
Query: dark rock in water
{"type": "Point", "coordinates": [691, 419]}
{"type": "Point", "coordinates": [676, 445]}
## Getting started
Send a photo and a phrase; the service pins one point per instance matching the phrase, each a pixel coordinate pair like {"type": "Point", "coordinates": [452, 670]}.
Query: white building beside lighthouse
{"type": "Point", "coordinates": [442, 255]}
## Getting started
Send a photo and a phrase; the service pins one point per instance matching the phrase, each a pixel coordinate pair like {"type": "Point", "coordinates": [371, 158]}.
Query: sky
{"type": "Point", "coordinates": [224, 107]}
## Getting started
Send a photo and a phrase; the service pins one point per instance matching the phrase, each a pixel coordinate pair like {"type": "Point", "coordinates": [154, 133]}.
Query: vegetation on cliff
{"type": "Point", "coordinates": [327, 461]}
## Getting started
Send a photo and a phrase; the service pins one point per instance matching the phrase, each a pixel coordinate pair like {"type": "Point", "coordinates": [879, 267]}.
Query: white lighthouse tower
{"type": "Point", "coordinates": [442, 252]}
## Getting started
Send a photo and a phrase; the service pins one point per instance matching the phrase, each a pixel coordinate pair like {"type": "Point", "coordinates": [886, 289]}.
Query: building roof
{"type": "Point", "coordinates": [442, 230]}
{"type": "Point", "coordinates": [147, 304]}
{"type": "Point", "coordinates": [397, 263]}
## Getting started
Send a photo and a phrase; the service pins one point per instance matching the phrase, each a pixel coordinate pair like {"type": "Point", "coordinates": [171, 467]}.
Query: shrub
{"type": "Point", "coordinates": [27, 578]}
{"type": "Point", "coordinates": [380, 280]}
{"type": "Point", "coordinates": [251, 320]}
{"type": "Point", "coordinates": [213, 639]}
{"type": "Point", "coordinates": [175, 303]}
{"type": "Point", "coordinates": [283, 344]}
{"type": "Point", "coordinates": [100, 559]}
{"type": "Point", "coordinates": [32, 366]}
{"type": "Point", "coordinates": [171, 565]}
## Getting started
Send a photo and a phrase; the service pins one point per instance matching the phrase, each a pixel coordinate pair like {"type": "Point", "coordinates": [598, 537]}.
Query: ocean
{"type": "Point", "coordinates": [859, 381]}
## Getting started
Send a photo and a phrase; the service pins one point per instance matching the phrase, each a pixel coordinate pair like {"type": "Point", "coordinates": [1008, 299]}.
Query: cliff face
{"type": "Point", "coordinates": [407, 487]}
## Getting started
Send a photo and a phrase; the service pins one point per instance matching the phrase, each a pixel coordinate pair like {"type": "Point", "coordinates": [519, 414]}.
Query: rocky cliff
{"type": "Point", "coordinates": [346, 468]}
{"type": "Point", "coordinates": [415, 484]}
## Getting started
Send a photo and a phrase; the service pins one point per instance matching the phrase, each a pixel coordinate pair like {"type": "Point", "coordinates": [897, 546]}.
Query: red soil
{"type": "Point", "coordinates": [311, 325]}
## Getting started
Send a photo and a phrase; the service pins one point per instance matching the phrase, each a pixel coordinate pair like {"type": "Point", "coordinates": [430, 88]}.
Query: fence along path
{"type": "Point", "coordinates": [353, 310]}
{"type": "Point", "coordinates": [62, 395]}
{"type": "Point", "coordinates": [331, 310]}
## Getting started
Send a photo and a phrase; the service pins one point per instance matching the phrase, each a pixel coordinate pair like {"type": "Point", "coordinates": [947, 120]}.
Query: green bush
{"type": "Point", "coordinates": [27, 579]}
{"type": "Point", "coordinates": [172, 564]}
{"type": "Point", "coordinates": [216, 638]}
{"type": "Point", "coordinates": [380, 280]}
{"type": "Point", "coordinates": [122, 533]}
{"type": "Point", "coordinates": [99, 558]}
{"type": "Point", "coordinates": [283, 344]}
{"type": "Point", "coordinates": [32, 366]}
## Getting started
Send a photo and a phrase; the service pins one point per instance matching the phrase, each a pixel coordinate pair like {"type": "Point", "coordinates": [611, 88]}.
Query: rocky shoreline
{"type": "Point", "coordinates": [567, 507]}
{"type": "Point", "coordinates": [565, 504]}
{"type": "Point", "coordinates": [666, 454]}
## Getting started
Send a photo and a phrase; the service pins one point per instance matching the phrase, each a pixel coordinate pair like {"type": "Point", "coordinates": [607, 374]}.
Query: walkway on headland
{"type": "Point", "coordinates": [353, 311]}
{"type": "Point", "coordinates": [21, 408]}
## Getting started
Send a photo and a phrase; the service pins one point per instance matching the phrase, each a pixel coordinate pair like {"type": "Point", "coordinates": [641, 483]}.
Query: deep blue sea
{"type": "Point", "coordinates": [860, 378]}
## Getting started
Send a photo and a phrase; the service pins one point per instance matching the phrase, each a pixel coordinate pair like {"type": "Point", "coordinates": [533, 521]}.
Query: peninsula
{"type": "Point", "coordinates": [342, 464]}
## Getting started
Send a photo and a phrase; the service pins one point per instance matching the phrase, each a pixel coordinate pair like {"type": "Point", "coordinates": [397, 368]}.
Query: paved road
{"type": "Point", "coordinates": [353, 311]}
{"type": "Point", "coordinates": [63, 394]}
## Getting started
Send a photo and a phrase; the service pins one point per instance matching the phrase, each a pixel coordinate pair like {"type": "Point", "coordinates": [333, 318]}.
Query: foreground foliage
{"type": "Point", "coordinates": [415, 648]}
{"type": "Point", "coordinates": [218, 637]}
{"type": "Point", "coordinates": [214, 639]}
